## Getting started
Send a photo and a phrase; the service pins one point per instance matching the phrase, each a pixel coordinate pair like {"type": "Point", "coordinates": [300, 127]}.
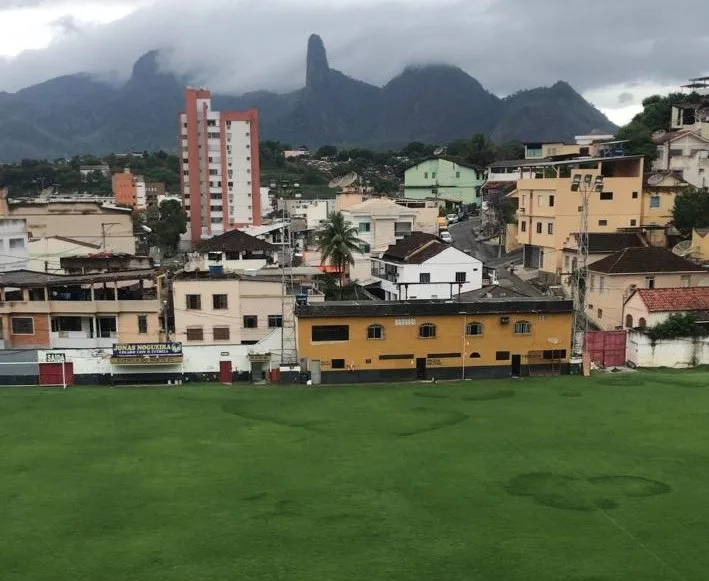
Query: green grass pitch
{"type": "Point", "coordinates": [566, 479]}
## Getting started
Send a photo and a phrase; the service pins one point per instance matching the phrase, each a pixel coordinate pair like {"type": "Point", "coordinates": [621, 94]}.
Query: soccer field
{"type": "Point", "coordinates": [537, 479]}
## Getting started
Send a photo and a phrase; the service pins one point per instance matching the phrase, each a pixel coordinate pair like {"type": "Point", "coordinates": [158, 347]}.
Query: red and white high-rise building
{"type": "Point", "coordinates": [219, 154]}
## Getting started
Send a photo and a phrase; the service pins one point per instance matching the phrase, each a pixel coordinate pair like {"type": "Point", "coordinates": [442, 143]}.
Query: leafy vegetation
{"type": "Point", "coordinates": [691, 210]}
{"type": "Point", "coordinates": [655, 116]}
{"type": "Point", "coordinates": [676, 326]}
{"type": "Point", "coordinates": [338, 242]}
{"type": "Point", "coordinates": [166, 223]}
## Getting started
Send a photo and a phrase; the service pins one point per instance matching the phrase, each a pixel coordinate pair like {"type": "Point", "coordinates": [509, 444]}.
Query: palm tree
{"type": "Point", "coordinates": [337, 241]}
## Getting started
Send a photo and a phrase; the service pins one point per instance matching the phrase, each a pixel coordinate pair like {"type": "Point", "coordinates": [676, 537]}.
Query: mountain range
{"type": "Point", "coordinates": [77, 114]}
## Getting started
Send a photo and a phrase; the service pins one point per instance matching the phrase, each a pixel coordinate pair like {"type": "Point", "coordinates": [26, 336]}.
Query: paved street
{"type": "Point", "coordinates": [464, 239]}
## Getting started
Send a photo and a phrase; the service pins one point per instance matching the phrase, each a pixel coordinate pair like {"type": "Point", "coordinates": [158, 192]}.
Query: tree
{"type": "Point", "coordinates": [416, 149]}
{"type": "Point", "coordinates": [480, 150]}
{"type": "Point", "coordinates": [691, 210]}
{"type": "Point", "coordinates": [166, 222]}
{"type": "Point", "coordinates": [337, 242]}
{"type": "Point", "coordinates": [639, 141]}
{"type": "Point", "coordinates": [326, 151]}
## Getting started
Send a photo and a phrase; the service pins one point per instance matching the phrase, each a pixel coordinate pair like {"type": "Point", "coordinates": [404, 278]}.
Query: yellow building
{"type": "Point", "coordinates": [549, 211]}
{"type": "Point", "coordinates": [699, 245]}
{"type": "Point", "coordinates": [659, 191]}
{"type": "Point", "coordinates": [346, 342]}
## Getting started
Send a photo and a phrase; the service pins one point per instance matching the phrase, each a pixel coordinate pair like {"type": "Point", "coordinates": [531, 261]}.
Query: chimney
{"type": "Point", "coordinates": [4, 208]}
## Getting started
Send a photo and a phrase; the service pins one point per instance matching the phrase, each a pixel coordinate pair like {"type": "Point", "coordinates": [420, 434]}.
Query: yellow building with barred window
{"type": "Point", "coordinates": [348, 342]}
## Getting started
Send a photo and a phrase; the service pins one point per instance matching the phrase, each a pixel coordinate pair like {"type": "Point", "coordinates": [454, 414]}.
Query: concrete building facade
{"type": "Point", "coordinates": [14, 244]}
{"type": "Point", "coordinates": [440, 178]}
{"type": "Point", "coordinates": [220, 172]}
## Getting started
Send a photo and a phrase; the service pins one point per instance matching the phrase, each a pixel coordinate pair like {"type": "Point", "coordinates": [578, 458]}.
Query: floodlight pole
{"type": "Point", "coordinates": [585, 185]}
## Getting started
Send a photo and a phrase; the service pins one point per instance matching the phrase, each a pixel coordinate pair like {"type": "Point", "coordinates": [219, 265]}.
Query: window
{"type": "Point", "coordinates": [213, 172]}
{"type": "Point", "coordinates": [330, 333]}
{"type": "Point", "coordinates": [460, 277]}
{"type": "Point", "coordinates": [66, 324]}
{"type": "Point", "coordinates": [593, 283]}
{"type": "Point", "coordinates": [633, 222]}
{"type": "Point", "coordinates": [220, 302]}
{"type": "Point", "coordinates": [375, 332]}
{"type": "Point", "coordinates": [142, 324]}
{"type": "Point", "coordinates": [601, 284]}
{"type": "Point", "coordinates": [433, 175]}
{"type": "Point", "coordinates": [603, 222]}
{"type": "Point", "coordinates": [523, 226]}
{"type": "Point", "coordinates": [424, 277]}
{"type": "Point", "coordinates": [654, 203]}
{"type": "Point", "coordinates": [628, 321]}
{"type": "Point", "coordinates": [642, 323]}
{"type": "Point", "coordinates": [17, 242]}
{"type": "Point", "coordinates": [338, 364]}
{"type": "Point", "coordinates": [523, 328]}
{"type": "Point", "coordinates": [554, 354]}
{"type": "Point", "coordinates": [427, 331]}
{"type": "Point", "coordinates": [649, 282]}
{"type": "Point", "coordinates": [474, 329]}
{"type": "Point", "coordinates": [195, 334]}
{"type": "Point", "coordinates": [364, 227]}
{"type": "Point", "coordinates": [539, 227]}
{"type": "Point", "coordinates": [502, 356]}
{"type": "Point", "coordinates": [635, 195]}
{"type": "Point", "coordinates": [550, 228]}
{"type": "Point", "coordinates": [599, 312]}
{"type": "Point", "coordinates": [475, 355]}
{"type": "Point", "coordinates": [606, 195]}
{"type": "Point", "coordinates": [551, 201]}
{"type": "Point", "coordinates": [275, 321]}
{"type": "Point", "coordinates": [365, 248]}
{"type": "Point", "coordinates": [221, 333]}
{"type": "Point", "coordinates": [250, 321]}
{"type": "Point", "coordinates": [686, 279]}
{"type": "Point", "coordinates": [457, 175]}
{"type": "Point", "coordinates": [22, 326]}
{"type": "Point", "coordinates": [425, 175]}
{"type": "Point", "coordinates": [36, 294]}
{"type": "Point", "coordinates": [194, 302]}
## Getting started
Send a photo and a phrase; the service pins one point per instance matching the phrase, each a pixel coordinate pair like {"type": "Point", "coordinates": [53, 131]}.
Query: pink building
{"type": "Point", "coordinates": [220, 167]}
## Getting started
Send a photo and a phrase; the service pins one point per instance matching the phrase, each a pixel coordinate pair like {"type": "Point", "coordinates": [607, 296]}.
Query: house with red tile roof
{"type": "Point", "coordinates": [647, 307]}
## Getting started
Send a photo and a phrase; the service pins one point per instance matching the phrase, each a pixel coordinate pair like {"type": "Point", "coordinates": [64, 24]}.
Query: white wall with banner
{"type": "Point", "coordinates": [146, 359]}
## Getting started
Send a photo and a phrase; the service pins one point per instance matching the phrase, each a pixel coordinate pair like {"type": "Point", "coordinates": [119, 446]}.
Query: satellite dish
{"type": "Point", "coordinates": [660, 133]}
{"type": "Point", "coordinates": [349, 179]}
{"type": "Point", "coordinates": [335, 183]}
{"type": "Point", "coordinates": [683, 249]}
{"type": "Point", "coordinates": [439, 150]}
{"type": "Point", "coordinates": [655, 179]}
{"type": "Point", "coordinates": [703, 115]}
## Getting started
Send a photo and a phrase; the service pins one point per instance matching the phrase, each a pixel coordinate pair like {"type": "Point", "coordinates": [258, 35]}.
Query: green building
{"type": "Point", "coordinates": [444, 179]}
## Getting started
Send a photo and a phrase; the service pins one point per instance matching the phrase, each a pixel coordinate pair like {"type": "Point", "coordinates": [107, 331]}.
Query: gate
{"type": "Point", "coordinates": [56, 373]}
{"type": "Point", "coordinates": [606, 348]}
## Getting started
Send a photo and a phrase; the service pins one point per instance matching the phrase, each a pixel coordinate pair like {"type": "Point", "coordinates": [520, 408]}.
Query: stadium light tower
{"type": "Point", "coordinates": [585, 184]}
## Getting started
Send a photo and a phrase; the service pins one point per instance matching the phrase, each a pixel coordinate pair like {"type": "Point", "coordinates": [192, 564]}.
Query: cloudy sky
{"type": "Point", "coordinates": [616, 52]}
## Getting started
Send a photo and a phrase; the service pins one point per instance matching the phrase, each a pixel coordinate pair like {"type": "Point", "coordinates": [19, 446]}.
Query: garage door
{"type": "Point", "coordinates": [51, 374]}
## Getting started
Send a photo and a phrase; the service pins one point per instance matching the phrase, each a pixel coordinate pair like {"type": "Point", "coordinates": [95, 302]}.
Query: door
{"type": "Point", "coordinates": [315, 374]}
{"type": "Point", "coordinates": [225, 372]}
{"type": "Point", "coordinates": [53, 374]}
{"type": "Point", "coordinates": [516, 365]}
{"type": "Point", "coordinates": [421, 368]}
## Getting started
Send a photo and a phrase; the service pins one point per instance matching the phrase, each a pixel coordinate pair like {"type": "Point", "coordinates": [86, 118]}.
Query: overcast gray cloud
{"type": "Point", "coordinates": [239, 45]}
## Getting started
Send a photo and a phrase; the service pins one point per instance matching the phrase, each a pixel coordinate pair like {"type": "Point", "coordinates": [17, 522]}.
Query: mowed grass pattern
{"type": "Point", "coordinates": [548, 479]}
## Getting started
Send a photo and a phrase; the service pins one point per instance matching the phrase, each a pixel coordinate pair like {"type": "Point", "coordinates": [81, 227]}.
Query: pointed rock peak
{"type": "Point", "coordinates": [317, 66]}
{"type": "Point", "coordinates": [147, 65]}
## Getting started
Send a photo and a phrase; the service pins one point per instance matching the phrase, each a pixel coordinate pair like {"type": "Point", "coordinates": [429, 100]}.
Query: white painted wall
{"type": "Point", "coordinates": [13, 245]}
{"type": "Point", "coordinates": [196, 358]}
{"type": "Point", "coordinates": [676, 353]}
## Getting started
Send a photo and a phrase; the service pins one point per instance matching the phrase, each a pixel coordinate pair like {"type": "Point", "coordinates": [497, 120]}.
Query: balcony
{"type": "Point", "coordinates": [80, 340]}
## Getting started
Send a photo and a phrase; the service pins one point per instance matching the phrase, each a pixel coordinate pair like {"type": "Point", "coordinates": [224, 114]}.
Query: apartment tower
{"type": "Point", "coordinates": [220, 167]}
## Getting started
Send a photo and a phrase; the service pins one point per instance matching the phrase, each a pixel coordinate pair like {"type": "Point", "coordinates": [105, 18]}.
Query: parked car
{"type": "Point", "coordinates": [446, 236]}
{"type": "Point", "coordinates": [452, 218]}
